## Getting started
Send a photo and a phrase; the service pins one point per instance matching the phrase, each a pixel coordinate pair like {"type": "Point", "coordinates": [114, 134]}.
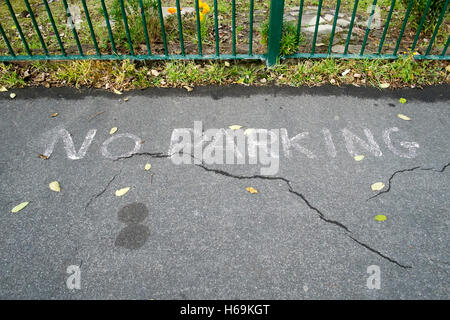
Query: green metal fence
{"type": "Point", "coordinates": [220, 29]}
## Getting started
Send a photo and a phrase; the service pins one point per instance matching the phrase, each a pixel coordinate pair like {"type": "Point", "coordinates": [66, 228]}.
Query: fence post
{"type": "Point", "coordinates": [275, 31]}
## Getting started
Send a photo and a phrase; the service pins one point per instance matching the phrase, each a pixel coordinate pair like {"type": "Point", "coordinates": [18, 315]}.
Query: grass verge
{"type": "Point", "coordinates": [127, 75]}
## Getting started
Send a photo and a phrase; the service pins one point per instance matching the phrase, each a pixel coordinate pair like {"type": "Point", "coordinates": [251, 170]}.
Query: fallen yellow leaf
{"type": "Point", "coordinates": [380, 217]}
{"type": "Point", "coordinates": [122, 191]}
{"type": "Point", "coordinates": [54, 114]}
{"type": "Point", "coordinates": [12, 95]}
{"type": "Point", "coordinates": [189, 89]}
{"type": "Point", "coordinates": [3, 89]}
{"type": "Point", "coordinates": [384, 85]}
{"type": "Point", "coordinates": [54, 186]}
{"type": "Point", "coordinates": [358, 157]}
{"type": "Point", "coordinates": [117, 91]}
{"type": "Point", "coordinates": [251, 190]}
{"type": "Point", "coordinates": [19, 207]}
{"type": "Point", "coordinates": [235, 127]}
{"type": "Point", "coordinates": [147, 166]}
{"type": "Point", "coordinates": [403, 117]}
{"type": "Point", "coordinates": [447, 68]}
{"type": "Point", "coordinates": [377, 186]}
{"type": "Point", "coordinates": [113, 130]}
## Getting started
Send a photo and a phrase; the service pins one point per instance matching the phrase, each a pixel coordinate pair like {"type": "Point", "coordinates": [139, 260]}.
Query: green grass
{"type": "Point", "coordinates": [125, 75]}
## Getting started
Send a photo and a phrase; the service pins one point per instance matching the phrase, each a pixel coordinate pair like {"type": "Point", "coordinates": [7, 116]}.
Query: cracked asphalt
{"type": "Point", "coordinates": [192, 231]}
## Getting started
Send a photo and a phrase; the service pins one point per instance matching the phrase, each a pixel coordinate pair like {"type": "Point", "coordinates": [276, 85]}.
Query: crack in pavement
{"type": "Point", "coordinates": [101, 192]}
{"type": "Point", "coordinates": [272, 178]}
{"type": "Point", "coordinates": [300, 195]}
{"type": "Point", "coordinates": [150, 154]}
{"type": "Point", "coordinates": [407, 170]}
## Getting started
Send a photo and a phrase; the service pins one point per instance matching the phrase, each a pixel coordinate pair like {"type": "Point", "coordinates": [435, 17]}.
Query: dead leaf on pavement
{"type": "Point", "coordinates": [54, 186]}
{"type": "Point", "coordinates": [54, 114]}
{"type": "Point", "coordinates": [380, 217]}
{"type": "Point", "coordinates": [147, 166]}
{"type": "Point", "coordinates": [19, 207]}
{"type": "Point", "coordinates": [377, 186]}
{"type": "Point", "coordinates": [235, 127]}
{"type": "Point", "coordinates": [12, 95]}
{"type": "Point", "coordinates": [122, 191]}
{"type": "Point", "coordinates": [403, 117]}
{"type": "Point", "coordinates": [117, 91]}
{"type": "Point", "coordinates": [251, 190]}
{"type": "Point", "coordinates": [358, 157]}
{"type": "Point", "coordinates": [43, 156]}
{"type": "Point", "coordinates": [113, 130]}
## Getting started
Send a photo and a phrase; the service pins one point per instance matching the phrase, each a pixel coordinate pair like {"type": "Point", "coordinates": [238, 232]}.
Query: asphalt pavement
{"type": "Point", "coordinates": [201, 230]}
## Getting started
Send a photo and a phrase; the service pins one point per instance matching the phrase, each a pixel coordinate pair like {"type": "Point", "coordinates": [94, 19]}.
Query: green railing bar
{"type": "Point", "coordinates": [163, 29]}
{"type": "Point", "coordinates": [180, 27]}
{"type": "Point", "coordinates": [338, 4]}
{"type": "Point", "coordinates": [216, 27]}
{"type": "Point", "coordinates": [446, 47]}
{"type": "Point", "coordinates": [144, 26]}
{"type": "Point", "coordinates": [350, 28]}
{"type": "Point", "coordinates": [52, 21]}
{"type": "Point", "coordinates": [441, 17]}
{"type": "Point", "coordinates": [125, 24]}
{"type": "Point", "coordinates": [36, 27]}
{"type": "Point", "coordinates": [388, 20]}
{"type": "Point", "coordinates": [233, 25]}
{"type": "Point", "coordinates": [408, 12]}
{"type": "Point", "coordinates": [135, 57]}
{"type": "Point", "coordinates": [319, 8]}
{"type": "Point", "coordinates": [368, 27]}
{"type": "Point", "coordinates": [72, 26]}
{"type": "Point", "coordinates": [422, 21]}
{"type": "Point", "coordinates": [250, 36]}
{"type": "Point", "coordinates": [199, 29]}
{"type": "Point", "coordinates": [91, 29]}
{"type": "Point", "coordinates": [108, 26]}
{"type": "Point", "coordinates": [10, 49]}
{"type": "Point", "coordinates": [275, 31]}
{"type": "Point", "coordinates": [299, 23]}
{"type": "Point", "coordinates": [358, 57]}
{"type": "Point", "coordinates": [19, 29]}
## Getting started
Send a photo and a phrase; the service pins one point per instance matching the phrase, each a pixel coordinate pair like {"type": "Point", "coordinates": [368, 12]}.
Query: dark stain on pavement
{"type": "Point", "coordinates": [135, 234]}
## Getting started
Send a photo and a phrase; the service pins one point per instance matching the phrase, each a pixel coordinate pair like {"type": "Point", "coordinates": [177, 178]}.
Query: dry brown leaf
{"type": "Point", "coordinates": [54, 114]}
